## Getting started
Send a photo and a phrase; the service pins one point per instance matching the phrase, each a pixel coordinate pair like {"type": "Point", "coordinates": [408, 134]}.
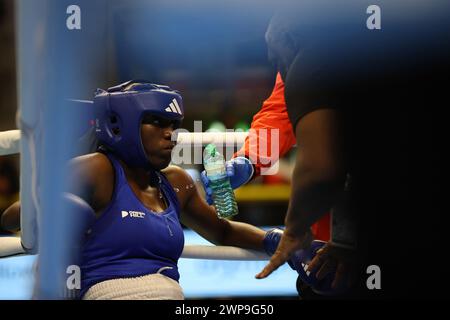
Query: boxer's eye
{"type": "Point", "coordinates": [150, 119]}
{"type": "Point", "coordinates": [160, 122]}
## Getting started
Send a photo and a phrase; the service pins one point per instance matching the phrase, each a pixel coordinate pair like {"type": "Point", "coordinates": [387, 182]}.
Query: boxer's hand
{"type": "Point", "coordinates": [238, 169]}
{"type": "Point", "coordinates": [206, 187]}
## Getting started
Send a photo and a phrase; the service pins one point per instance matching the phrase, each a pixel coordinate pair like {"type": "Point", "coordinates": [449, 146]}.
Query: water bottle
{"type": "Point", "coordinates": [222, 193]}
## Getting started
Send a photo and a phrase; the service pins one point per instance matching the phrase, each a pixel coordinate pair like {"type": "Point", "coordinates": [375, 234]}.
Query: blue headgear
{"type": "Point", "coordinates": [119, 112]}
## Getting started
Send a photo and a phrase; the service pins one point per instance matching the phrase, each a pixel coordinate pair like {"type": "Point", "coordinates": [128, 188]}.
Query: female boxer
{"type": "Point", "coordinates": [139, 201]}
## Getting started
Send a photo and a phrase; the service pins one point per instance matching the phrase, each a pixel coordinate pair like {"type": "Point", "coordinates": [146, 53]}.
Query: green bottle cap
{"type": "Point", "coordinates": [242, 125]}
{"type": "Point", "coordinates": [211, 149]}
{"type": "Point", "coordinates": [216, 126]}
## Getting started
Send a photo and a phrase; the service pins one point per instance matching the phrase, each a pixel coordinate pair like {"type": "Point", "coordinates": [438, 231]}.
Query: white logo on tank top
{"type": "Point", "coordinates": [133, 214]}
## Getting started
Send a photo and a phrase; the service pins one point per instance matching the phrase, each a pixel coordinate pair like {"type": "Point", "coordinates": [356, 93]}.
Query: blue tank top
{"type": "Point", "coordinates": [129, 240]}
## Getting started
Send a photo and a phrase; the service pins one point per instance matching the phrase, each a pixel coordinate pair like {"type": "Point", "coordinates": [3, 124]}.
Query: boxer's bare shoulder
{"type": "Point", "coordinates": [92, 177]}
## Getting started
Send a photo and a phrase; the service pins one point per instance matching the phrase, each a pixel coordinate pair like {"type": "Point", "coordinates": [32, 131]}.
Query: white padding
{"type": "Point", "coordinates": [9, 142]}
{"type": "Point", "coordinates": [10, 246]}
{"type": "Point", "coordinates": [222, 253]}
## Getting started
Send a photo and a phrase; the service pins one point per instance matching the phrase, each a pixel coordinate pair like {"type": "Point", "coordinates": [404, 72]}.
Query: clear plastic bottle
{"type": "Point", "coordinates": [222, 193]}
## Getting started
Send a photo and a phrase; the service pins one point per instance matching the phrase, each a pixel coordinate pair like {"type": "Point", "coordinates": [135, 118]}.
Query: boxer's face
{"type": "Point", "coordinates": [156, 134]}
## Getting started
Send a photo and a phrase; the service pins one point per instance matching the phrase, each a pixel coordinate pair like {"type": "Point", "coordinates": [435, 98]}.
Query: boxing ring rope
{"type": "Point", "coordinates": [204, 138]}
{"type": "Point", "coordinates": [9, 144]}
{"type": "Point", "coordinates": [10, 140]}
{"type": "Point", "coordinates": [222, 253]}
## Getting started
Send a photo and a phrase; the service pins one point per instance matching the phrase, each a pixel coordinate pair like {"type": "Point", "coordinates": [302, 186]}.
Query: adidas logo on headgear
{"type": "Point", "coordinates": [174, 107]}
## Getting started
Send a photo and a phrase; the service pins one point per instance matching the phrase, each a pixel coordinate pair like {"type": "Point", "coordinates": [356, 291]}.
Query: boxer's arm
{"type": "Point", "coordinates": [91, 177]}
{"type": "Point", "coordinates": [86, 179]}
{"type": "Point", "coordinates": [10, 218]}
{"type": "Point", "coordinates": [202, 218]}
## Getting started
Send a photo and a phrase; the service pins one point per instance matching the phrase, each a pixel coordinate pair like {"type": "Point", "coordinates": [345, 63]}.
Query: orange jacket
{"type": "Point", "coordinates": [273, 115]}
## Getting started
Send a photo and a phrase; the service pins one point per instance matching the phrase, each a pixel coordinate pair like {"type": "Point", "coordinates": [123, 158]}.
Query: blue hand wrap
{"type": "Point", "coordinates": [240, 170]}
{"type": "Point", "coordinates": [271, 240]}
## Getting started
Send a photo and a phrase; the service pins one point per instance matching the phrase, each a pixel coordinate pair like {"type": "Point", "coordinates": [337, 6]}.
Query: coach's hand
{"type": "Point", "coordinates": [289, 244]}
{"type": "Point", "coordinates": [334, 264]}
